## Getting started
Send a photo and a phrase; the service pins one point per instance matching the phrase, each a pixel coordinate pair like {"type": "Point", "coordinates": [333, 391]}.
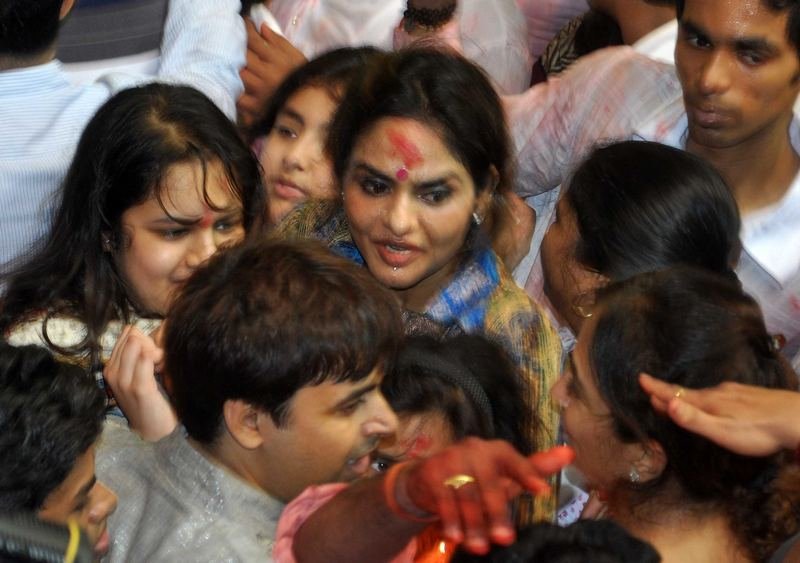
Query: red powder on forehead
{"type": "Point", "coordinates": [207, 219]}
{"type": "Point", "coordinates": [407, 149]}
{"type": "Point", "coordinates": [420, 446]}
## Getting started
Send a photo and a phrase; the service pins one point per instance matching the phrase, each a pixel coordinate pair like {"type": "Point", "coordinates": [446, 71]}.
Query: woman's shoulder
{"type": "Point", "coordinates": [510, 300]}
{"type": "Point", "coordinates": [61, 332]}
{"type": "Point", "coordinates": [512, 315]}
{"type": "Point", "coordinates": [318, 219]}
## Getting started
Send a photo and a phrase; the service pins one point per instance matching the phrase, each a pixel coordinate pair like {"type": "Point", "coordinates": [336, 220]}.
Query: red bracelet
{"type": "Point", "coordinates": [390, 496]}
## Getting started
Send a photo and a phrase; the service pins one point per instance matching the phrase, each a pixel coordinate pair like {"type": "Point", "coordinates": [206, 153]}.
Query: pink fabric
{"type": "Point", "coordinates": [298, 511]}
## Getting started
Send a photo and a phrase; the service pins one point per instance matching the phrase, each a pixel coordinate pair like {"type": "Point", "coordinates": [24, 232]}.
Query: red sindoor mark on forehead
{"type": "Point", "coordinates": [408, 152]}
{"type": "Point", "coordinates": [206, 220]}
{"type": "Point", "coordinates": [420, 446]}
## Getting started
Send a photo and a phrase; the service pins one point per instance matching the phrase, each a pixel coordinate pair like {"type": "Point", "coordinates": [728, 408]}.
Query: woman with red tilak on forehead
{"type": "Point", "coordinates": [422, 157]}
{"type": "Point", "coordinates": [160, 182]}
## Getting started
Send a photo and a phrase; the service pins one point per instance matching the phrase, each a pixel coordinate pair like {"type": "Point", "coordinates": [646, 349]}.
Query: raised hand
{"type": "Point", "coordinates": [130, 374]}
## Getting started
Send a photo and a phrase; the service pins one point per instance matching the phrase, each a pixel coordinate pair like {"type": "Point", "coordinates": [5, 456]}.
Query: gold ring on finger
{"type": "Point", "coordinates": [458, 481]}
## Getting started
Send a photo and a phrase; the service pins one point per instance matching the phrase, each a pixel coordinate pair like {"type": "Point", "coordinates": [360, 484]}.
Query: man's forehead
{"type": "Point", "coordinates": [735, 21]}
{"type": "Point", "coordinates": [335, 391]}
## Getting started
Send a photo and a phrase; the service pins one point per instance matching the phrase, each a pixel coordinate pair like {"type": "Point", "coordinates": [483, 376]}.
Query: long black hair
{"type": "Point", "coordinates": [696, 329]}
{"type": "Point", "coordinates": [466, 378]}
{"type": "Point", "coordinates": [640, 206]}
{"type": "Point", "coordinates": [123, 154]}
{"type": "Point", "coordinates": [442, 90]}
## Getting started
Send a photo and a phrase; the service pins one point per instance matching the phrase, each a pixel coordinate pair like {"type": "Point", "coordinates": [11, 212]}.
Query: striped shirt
{"type": "Point", "coordinates": [42, 115]}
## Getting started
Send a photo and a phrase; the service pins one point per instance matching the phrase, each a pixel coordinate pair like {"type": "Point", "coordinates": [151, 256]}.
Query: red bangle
{"type": "Point", "coordinates": [390, 496]}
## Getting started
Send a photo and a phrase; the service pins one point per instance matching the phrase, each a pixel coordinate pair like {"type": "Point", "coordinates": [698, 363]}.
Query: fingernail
{"type": "Point", "coordinates": [502, 534]}
{"type": "Point", "coordinates": [452, 533]}
{"type": "Point", "coordinates": [477, 544]}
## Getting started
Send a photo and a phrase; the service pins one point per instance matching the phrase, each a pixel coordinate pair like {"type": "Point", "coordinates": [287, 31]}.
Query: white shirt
{"type": "Point", "coordinates": [492, 34]}
{"type": "Point", "coordinates": [42, 114]}
{"type": "Point", "coordinates": [617, 94]}
{"type": "Point", "coordinates": [659, 44]}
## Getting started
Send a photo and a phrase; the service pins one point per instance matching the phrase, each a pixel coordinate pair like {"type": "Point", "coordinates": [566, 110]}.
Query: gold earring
{"type": "Point", "coordinates": [582, 305]}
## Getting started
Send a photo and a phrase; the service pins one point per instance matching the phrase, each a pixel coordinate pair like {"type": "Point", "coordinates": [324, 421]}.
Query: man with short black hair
{"type": "Point", "coordinates": [51, 415]}
{"type": "Point", "coordinates": [274, 355]}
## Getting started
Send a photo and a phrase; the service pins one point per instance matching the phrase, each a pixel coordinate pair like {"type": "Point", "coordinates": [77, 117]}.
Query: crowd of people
{"type": "Point", "coordinates": [423, 280]}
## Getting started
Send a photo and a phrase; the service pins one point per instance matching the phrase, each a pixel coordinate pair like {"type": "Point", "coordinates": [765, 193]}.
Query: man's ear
{"type": "Point", "coordinates": [66, 7]}
{"type": "Point", "coordinates": [246, 424]}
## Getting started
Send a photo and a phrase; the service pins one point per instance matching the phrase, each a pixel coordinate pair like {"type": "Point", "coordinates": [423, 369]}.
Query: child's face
{"type": "Point", "coordinates": [296, 167]}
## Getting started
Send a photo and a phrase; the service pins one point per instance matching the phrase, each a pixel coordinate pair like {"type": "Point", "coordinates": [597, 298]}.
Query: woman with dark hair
{"type": "Point", "coordinates": [692, 499]}
{"type": "Point", "coordinates": [290, 139]}
{"type": "Point", "coordinates": [447, 389]}
{"type": "Point", "coordinates": [421, 153]}
{"type": "Point", "coordinates": [634, 207]}
{"type": "Point", "coordinates": [159, 182]}
{"type": "Point", "coordinates": [443, 390]}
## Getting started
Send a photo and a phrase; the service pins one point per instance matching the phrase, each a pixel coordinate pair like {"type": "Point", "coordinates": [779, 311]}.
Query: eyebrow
{"type": "Point", "coordinates": [286, 111]}
{"type": "Point", "coordinates": [689, 27]}
{"type": "Point", "coordinates": [225, 212]}
{"type": "Point", "coordinates": [394, 457]}
{"type": "Point", "coordinates": [739, 43]}
{"type": "Point", "coordinates": [357, 394]}
{"type": "Point", "coordinates": [754, 44]}
{"type": "Point", "coordinates": [85, 489]}
{"type": "Point", "coordinates": [361, 165]}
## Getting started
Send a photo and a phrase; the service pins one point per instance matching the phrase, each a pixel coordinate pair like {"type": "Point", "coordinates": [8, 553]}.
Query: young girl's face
{"type": "Point", "coordinates": [295, 166]}
{"type": "Point", "coordinates": [164, 241]}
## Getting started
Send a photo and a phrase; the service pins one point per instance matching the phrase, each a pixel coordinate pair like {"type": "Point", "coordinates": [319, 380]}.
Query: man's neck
{"type": "Point", "coordinates": [759, 172]}
{"type": "Point", "coordinates": [11, 62]}
{"type": "Point", "coordinates": [226, 455]}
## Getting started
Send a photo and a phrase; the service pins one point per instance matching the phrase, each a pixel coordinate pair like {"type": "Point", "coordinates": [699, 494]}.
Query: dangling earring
{"type": "Point", "coordinates": [581, 305]}
{"type": "Point", "coordinates": [477, 218]}
{"type": "Point", "coordinates": [633, 475]}
{"type": "Point", "coordinates": [105, 242]}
